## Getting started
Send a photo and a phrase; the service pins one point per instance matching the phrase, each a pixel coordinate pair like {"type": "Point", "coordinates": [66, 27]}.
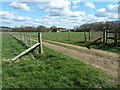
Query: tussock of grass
{"type": "Point", "coordinates": [51, 70]}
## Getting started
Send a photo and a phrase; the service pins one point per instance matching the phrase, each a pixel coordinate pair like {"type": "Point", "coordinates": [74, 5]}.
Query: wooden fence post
{"type": "Point", "coordinates": [30, 40]}
{"type": "Point", "coordinates": [115, 39]}
{"type": "Point", "coordinates": [19, 35]}
{"type": "Point", "coordinates": [23, 36]}
{"type": "Point", "coordinates": [40, 41]}
{"type": "Point", "coordinates": [104, 36]}
{"type": "Point", "coordinates": [89, 36]}
{"type": "Point", "coordinates": [85, 36]}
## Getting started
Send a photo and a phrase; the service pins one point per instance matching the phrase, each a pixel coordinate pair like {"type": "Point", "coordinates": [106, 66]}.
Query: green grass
{"type": "Point", "coordinates": [11, 47]}
{"type": "Point", "coordinates": [65, 36]}
{"type": "Point", "coordinates": [51, 70]}
{"type": "Point", "coordinates": [77, 36]}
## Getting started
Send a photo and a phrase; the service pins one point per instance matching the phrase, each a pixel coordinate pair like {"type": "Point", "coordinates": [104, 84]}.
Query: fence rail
{"type": "Point", "coordinates": [26, 38]}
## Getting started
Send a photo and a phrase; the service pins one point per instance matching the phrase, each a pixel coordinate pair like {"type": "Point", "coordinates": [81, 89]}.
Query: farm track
{"type": "Point", "coordinates": [107, 62]}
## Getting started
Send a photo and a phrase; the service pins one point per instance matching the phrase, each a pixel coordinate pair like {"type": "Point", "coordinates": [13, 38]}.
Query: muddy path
{"type": "Point", "coordinates": [107, 61]}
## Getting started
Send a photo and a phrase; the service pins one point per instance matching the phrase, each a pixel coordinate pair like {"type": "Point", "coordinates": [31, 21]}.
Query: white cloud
{"type": "Point", "coordinates": [6, 15]}
{"type": "Point", "coordinates": [55, 7]}
{"type": "Point", "coordinates": [92, 18]}
{"type": "Point", "coordinates": [90, 5]}
{"type": "Point", "coordinates": [101, 13]}
{"type": "Point", "coordinates": [58, 8]}
{"type": "Point", "coordinates": [76, 14]}
{"type": "Point", "coordinates": [112, 8]}
{"type": "Point", "coordinates": [111, 12]}
{"type": "Point", "coordinates": [75, 7]}
{"type": "Point", "coordinates": [9, 15]}
{"type": "Point", "coordinates": [44, 21]}
{"type": "Point", "coordinates": [20, 18]}
{"type": "Point", "coordinates": [76, 1]}
{"type": "Point", "coordinates": [50, 17]}
{"type": "Point", "coordinates": [31, 23]}
{"type": "Point", "coordinates": [82, 19]}
{"type": "Point", "coordinates": [21, 6]}
{"type": "Point", "coordinates": [101, 10]}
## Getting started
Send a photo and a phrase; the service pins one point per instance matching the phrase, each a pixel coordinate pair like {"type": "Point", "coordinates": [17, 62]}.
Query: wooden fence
{"type": "Point", "coordinates": [113, 35]}
{"type": "Point", "coordinates": [27, 39]}
{"type": "Point", "coordinates": [105, 36]}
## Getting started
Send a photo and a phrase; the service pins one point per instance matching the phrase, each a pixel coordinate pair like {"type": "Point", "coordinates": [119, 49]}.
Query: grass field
{"type": "Point", "coordinates": [76, 38]}
{"type": "Point", "coordinates": [62, 36]}
{"type": "Point", "coordinates": [51, 70]}
{"type": "Point", "coordinates": [65, 36]}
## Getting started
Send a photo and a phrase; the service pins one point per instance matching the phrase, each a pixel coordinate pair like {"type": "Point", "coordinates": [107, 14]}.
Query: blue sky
{"type": "Point", "coordinates": [61, 13]}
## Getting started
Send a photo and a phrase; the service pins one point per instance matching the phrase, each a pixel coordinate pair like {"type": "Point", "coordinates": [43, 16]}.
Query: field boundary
{"type": "Point", "coordinates": [19, 36]}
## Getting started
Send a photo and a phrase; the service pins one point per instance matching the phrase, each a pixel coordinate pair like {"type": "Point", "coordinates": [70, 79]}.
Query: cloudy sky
{"type": "Point", "coordinates": [61, 13]}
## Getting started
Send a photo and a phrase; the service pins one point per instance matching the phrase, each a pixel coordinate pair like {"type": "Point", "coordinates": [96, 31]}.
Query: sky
{"type": "Point", "coordinates": [61, 13]}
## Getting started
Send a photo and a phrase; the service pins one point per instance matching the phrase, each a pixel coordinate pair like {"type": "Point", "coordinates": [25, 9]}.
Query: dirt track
{"type": "Point", "coordinates": [107, 61]}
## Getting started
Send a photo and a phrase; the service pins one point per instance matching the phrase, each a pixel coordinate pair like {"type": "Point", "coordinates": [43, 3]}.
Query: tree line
{"type": "Point", "coordinates": [99, 26]}
{"type": "Point", "coordinates": [96, 26]}
{"type": "Point", "coordinates": [31, 29]}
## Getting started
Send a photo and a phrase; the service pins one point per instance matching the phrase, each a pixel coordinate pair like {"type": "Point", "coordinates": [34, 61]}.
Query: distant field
{"type": "Point", "coordinates": [76, 38]}
{"type": "Point", "coordinates": [51, 70]}
{"type": "Point", "coordinates": [62, 36]}
{"type": "Point", "coordinates": [65, 36]}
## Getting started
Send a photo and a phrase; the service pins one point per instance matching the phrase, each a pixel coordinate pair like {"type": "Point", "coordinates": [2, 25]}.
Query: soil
{"type": "Point", "coordinates": [107, 61]}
